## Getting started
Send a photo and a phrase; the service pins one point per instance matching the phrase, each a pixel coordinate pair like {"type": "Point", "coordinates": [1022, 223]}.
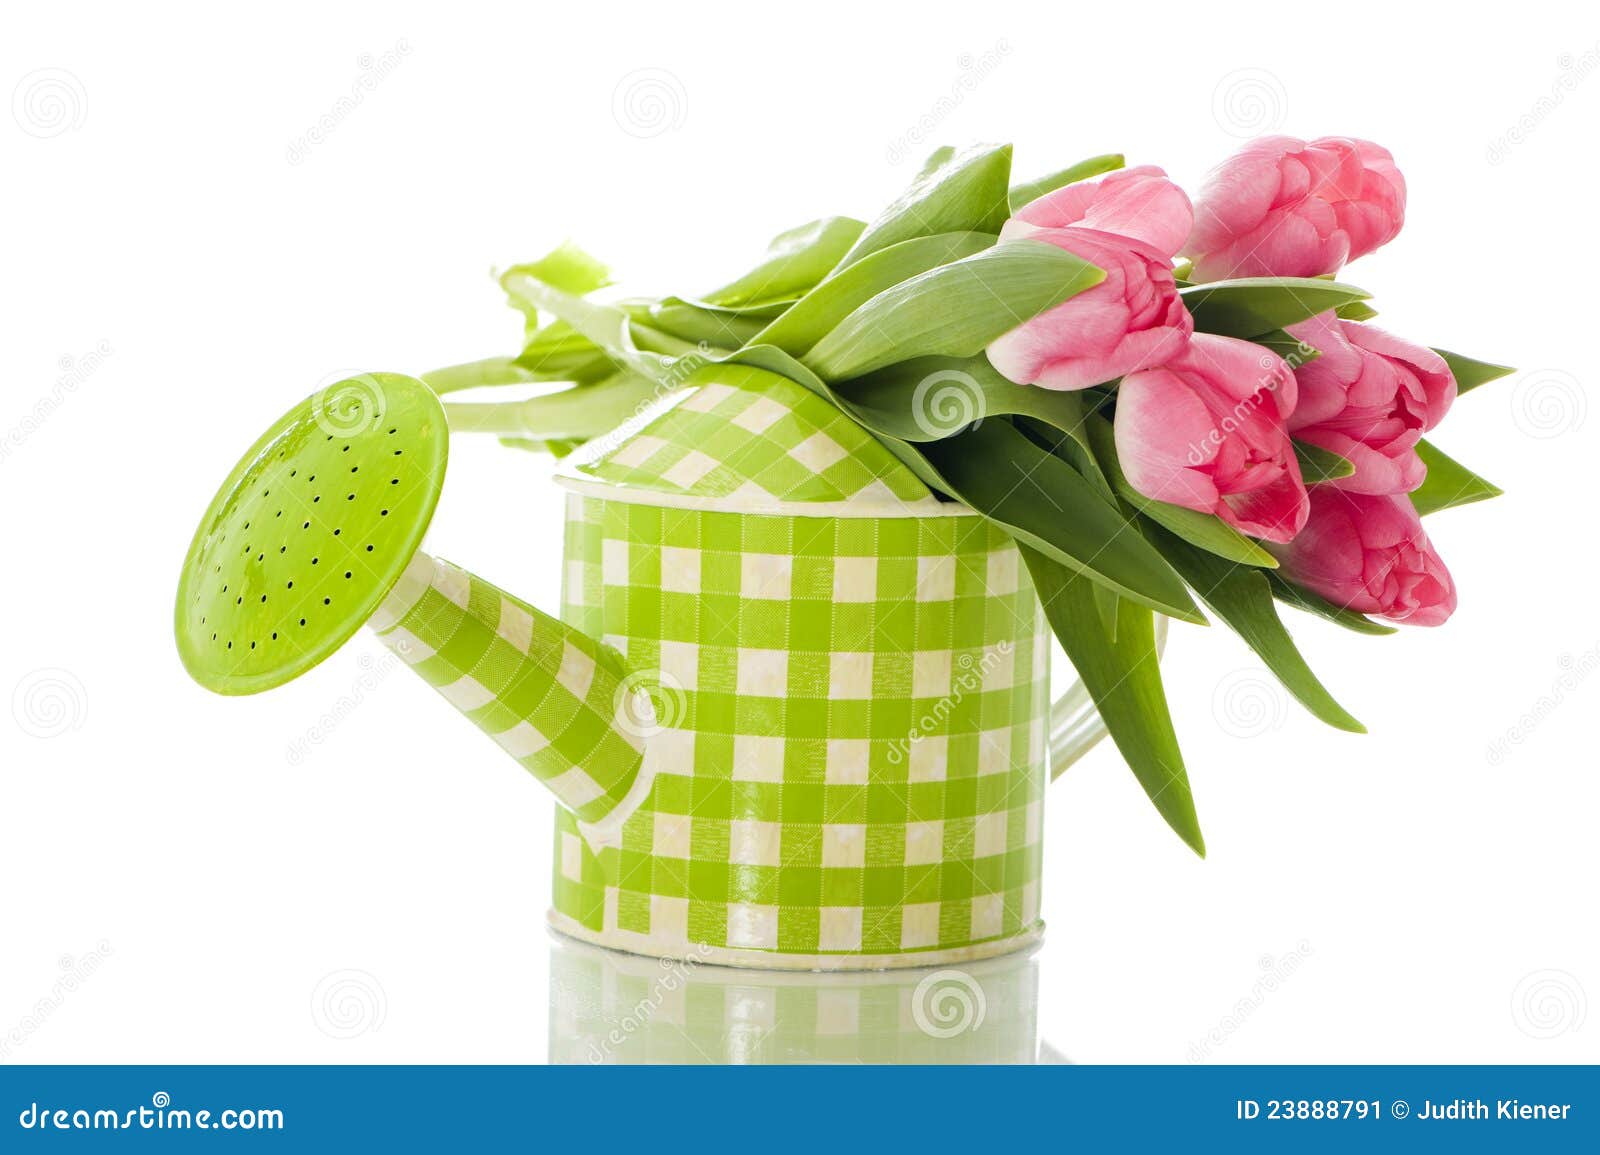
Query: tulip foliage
{"type": "Point", "coordinates": [1167, 403]}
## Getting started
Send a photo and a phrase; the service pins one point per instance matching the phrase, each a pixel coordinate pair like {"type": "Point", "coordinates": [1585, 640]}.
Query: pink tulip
{"type": "Point", "coordinates": [1369, 553]}
{"type": "Point", "coordinates": [1280, 207]}
{"type": "Point", "coordinates": [1369, 397]}
{"type": "Point", "coordinates": [1206, 431]}
{"type": "Point", "coordinates": [1138, 203]}
{"type": "Point", "coordinates": [1128, 224]}
{"type": "Point", "coordinates": [1129, 321]}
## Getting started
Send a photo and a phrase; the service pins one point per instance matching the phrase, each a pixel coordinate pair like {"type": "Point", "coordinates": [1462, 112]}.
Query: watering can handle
{"type": "Point", "coordinates": [1075, 724]}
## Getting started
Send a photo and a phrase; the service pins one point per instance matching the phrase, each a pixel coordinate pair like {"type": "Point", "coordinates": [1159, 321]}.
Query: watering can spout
{"type": "Point", "coordinates": [558, 701]}
{"type": "Point", "coordinates": [318, 530]}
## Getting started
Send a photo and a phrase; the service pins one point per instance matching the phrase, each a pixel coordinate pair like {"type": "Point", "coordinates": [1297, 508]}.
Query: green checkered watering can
{"type": "Point", "coordinates": [795, 712]}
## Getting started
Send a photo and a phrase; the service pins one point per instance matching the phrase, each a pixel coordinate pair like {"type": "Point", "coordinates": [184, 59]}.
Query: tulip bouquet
{"type": "Point", "coordinates": [1163, 401]}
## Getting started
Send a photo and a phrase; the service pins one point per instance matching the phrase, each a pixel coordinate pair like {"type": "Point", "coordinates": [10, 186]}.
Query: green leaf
{"type": "Point", "coordinates": [557, 449]}
{"type": "Point", "coordinates": [626, 343]}
{"type": "Point", "coordinates": [1469, 374]}
{"type": "Point", "coordinates": [1318, 464]}
{"type": "Point", "coordinates": [796, 260]}
{"type": "Point", "coordinates": [937, 159]}
{"type": "Point", "coordinates": [1061, 426]}
{"type": "Point", "coordinates": [1255, 305]}
{"type": "Point", "coordinates": [1292, 349]}
{"type": "Point", "coordinates": [1242, 597]}
{"type": "Point", "coordinates": [1032, 190]}
{"type": "Point", "coordinates": [696, 323]}
{"type": "Point", "coordinates": [956, 192]}
{"type": "Point", "coordinates": [1044, 502]}
{"type": "Point", "coordinates": [1448, 483]}
{"type": "Point", "coordinates": [820, 310]}
{"type": "Point", "coordinates": [1123, 677]}
{"type": "Point", "coordinates": [953, 310]}
{"type": "Point", "coordinates": [1356, 311]}
{"type": "Point", "coordinates": [568, 268]}
{"type": "Point", "coordinates": [1030, 493]}
{"type": "Point", "coordinates": [1303, 599]}
{"type": "Point", "coordinates": [558, 352]}
{"type": "Point", "coordinates": [1205, 530]}
{"type": "Point", "coordinates": [930, 398]}
{"type": "Point", "coordinates": [568, 414]}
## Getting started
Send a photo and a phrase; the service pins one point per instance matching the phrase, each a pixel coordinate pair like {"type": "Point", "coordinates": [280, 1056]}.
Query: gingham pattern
{"type": "Point", "coordinates": [853, 753]}
{"type": "Point", "coordinates": [753, 436]}
{"type": "Point", "coordinates": [554, 699]}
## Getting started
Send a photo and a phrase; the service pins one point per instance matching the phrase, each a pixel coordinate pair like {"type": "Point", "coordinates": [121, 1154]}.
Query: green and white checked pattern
{"type": "Point", "coordinates": [743, 433]}
{"type": "Point", "coordinates": [554, 699]}
{"type": "Point", "coordinates": [850, 757]}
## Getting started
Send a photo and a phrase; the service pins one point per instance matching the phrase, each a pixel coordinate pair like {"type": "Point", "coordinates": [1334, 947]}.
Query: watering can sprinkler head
{"type": "Point", "coordinates": [317, 531]}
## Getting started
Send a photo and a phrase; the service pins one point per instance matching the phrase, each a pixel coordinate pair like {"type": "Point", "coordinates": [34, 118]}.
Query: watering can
{"type": "Point", "coordinates": [795, 711]}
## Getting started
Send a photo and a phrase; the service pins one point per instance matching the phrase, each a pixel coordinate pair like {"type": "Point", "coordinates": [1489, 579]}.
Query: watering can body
{"type": "Point", "coordinates": [795, 710]}
{"type": "Point", "coordinates": [795, 719]}
{"type": "Point", "coordinates": [847, 762]}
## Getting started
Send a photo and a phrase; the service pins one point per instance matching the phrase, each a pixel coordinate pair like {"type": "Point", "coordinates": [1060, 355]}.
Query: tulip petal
{"type": "Point", "coordinates": [1163, 434]}
{"type": "Point", "coordinates": [1370, 554]}
{"type": "Point", "coordinates": [1432, 371]}
{"type": "Point", "coordinates": [1130, 321]}
{"type": "Point", "coordinates": [1286, 208]}
{"type": "Point", "coordinates": [1240, 369]}
{"type": "Point", "coordinates": [1140, 204]}
{"type": "Point", "coordinates": [1275, 512]}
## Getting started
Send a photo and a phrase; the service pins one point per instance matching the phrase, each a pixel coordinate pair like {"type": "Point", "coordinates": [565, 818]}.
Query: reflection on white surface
{"type": "Point", "coordinates": [609, 1007]}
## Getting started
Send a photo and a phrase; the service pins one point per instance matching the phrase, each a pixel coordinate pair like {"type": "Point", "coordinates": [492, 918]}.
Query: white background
{"type": "Point", "coordinates": [1427, 886]}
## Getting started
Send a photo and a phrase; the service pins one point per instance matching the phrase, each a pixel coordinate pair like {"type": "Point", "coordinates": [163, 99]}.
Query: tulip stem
{"type": "Point", "coordinates": [580, 412]}
{"type": "Point", "coordinates": [475, 374]}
